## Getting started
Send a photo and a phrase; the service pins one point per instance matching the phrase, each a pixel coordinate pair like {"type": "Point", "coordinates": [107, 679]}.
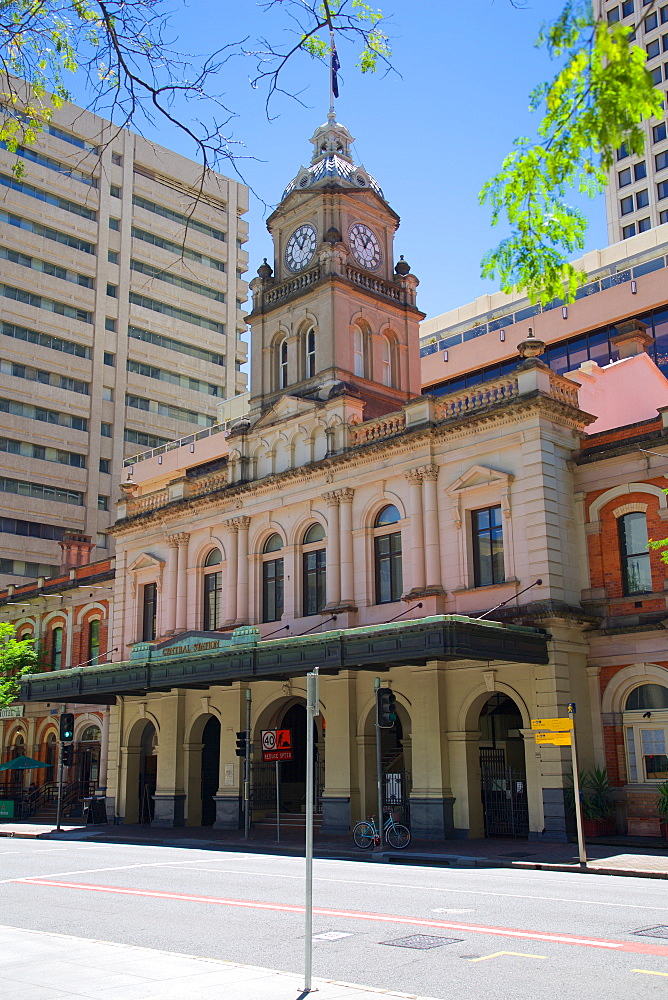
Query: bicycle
{"type": "Point", "coordinates": [365, 834]}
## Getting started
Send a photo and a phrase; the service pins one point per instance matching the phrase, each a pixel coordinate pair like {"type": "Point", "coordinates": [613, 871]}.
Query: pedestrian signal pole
{"type": "Point", "coordinates": [385, 718]}
{"type": "Point", "coordinates": [247, 763]}
{"type": "Point", "coordinates": [312, 710]}
{"type": "Point", "coordinates": [576, 789]}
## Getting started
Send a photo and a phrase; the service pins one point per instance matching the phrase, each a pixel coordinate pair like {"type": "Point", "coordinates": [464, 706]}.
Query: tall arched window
{"type": "Point", "coordinates": [93, 642]}
{"type": "Point", "coordinates": [57, 648]}
{"type": "Point", "coordinates": [310, 353]}
{"type": "Point", "coordinates": [646, 733]}
{"type": "Point", "coordinates": [212, 591]}
{"type": "Point", "coordinates": [385, 361]}
{"type": "Point", "coordinates": [636, 569]}
{"type": "Point", "coordinates": [282, 360]}
{"type": "Point", "coordinates": [313, 571]}
{"type": "Point", "coordinates": [358, 352]}
{"type": "Point", "coordinates": [387, 556]}
{"type": "Point", "coordinates": [272, 579]}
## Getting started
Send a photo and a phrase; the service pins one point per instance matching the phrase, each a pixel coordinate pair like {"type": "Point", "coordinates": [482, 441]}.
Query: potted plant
{"type": "Point", "coordinates": [598, 807]}
{"type": "Point", "coordinates": [662, 807]}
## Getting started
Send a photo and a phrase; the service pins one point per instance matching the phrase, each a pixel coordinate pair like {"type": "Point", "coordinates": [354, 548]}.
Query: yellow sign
{"type": "Point", "coordinates": [553, 725]}
{"type": "Point", "coordinates": [556, 739]}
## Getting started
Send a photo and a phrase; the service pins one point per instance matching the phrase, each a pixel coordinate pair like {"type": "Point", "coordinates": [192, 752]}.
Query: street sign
{"type": "Point", "coordinates": [553, 725]}
{"type": "Point", "coordinates": [276, 744]}
{"type": "Point", "coordinates": [555, 739]}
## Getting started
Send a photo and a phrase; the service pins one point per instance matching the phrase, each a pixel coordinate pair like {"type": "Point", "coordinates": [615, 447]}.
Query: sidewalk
{"type": "Point", "coordinates": [87, 970]}
{"type": "Point", "coordinates": [647, 859]}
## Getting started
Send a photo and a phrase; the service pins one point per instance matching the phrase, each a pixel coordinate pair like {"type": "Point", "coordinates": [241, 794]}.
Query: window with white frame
{"type": "Point", "coordinates": [212, 591]}
{"type": "Point", "coordinates": [646, 733]}
{"type": "Point", "coordinates": [385, 361]}
{"type": "Point", "coordinates": [358, 351]}
{"type": "Point", "coordinates": [283, 364]}
{"type": "Point", "coordinates": [310, 353]}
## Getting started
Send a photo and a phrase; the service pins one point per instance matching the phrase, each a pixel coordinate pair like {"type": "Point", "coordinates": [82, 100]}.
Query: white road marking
{"type": "Point", "coordinates": [115, 868]}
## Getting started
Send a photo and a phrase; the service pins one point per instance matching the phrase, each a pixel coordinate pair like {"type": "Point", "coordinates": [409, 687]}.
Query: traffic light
{"type": "Point", "coordinates": [68, 755]}
{"type": "Point", "coordinates": [242, 739]}
{"type": "Point", "coordinates": [386, 714]}
{"type": "Point", "coordinates": [66, 727]}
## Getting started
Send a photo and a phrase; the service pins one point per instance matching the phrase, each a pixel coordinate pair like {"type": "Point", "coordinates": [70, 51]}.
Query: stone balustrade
{"type": "Point", "coordinates": [291, 285]}
{"type": "Point", "coordinates": [374, 284]}
{"type": "Point", "coordinates": [150, 501]}
{"type": "Point", "coordinates": [456, 404]}
{"type": "Point", "coordinates": [216, 481]}
{"type": "Point", "coordinates": [376, 430]}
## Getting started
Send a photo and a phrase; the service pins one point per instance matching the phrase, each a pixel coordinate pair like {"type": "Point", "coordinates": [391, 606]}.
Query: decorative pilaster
{"type": "Point", "coordinates": [170, 590]}
{"type": "Point", "coordinates": [432, 534]}
{"type": "Point", "coordinates": [414, 478]}
{"type": "Point", "coordinates": [346, 548]}
{"type": "Point", "coordinates": [242, 523]}
{"type": "Point", "coordinates": [333, 565]}
{"type": "Point", "coordinates": [232, 571]}
{"type": "Point", "coordinates": [182, 540]}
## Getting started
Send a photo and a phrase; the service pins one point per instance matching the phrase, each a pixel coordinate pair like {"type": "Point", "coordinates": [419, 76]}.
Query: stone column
{"type": "Point", "coordinates": [431, 797]}
{"type": "Point", "coordinates": [182, 540]}
{"type": "Point", "coordinates": [346, 543]}
{"type": "Point", "coordinates": [170, 795]}
{"type": "Point", "coordinates": [104, 753]}
{"type": "Point", "coordinates": [341, 794]}
{"type": "Point", "coordinates": [242, 524]}
{"type": "Point", "coordinates": [232, 572]}
{"type": "Point", "coordinates": [432, 535]}
{"type": "Point", "coordinates": [465, 771]}
{"type": "Point", "coordinates": [230, 767]}
{"type": "Point", "coordinates": [333, 568]}
{"type": "Point", "coordinates": [414, 477]}
{"type": "Point", "coordinates": [170, 589]}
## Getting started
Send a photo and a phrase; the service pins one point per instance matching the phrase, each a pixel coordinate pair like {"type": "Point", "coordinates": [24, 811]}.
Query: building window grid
{"type": "Point", "coordinates": [487, 539]}
{"type": "Point", "coordinates": [634, 555]}
{"type": "Point", "coordinates": [314, 571]}
{"type": "Point", "coordinates": [272, 580]}
{"type": "Point", "coordinates": [149, 611]}
{"type": "Point", "coordinates": [57, 648]}
{"type": "Point", "coordinates": [387, 549]}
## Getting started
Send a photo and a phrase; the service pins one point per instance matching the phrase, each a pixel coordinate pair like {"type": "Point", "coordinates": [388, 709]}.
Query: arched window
{"type": "Point", "coordinates": [387, 556]}
{"type": "Point", "coordinates": [646, 733]}
{"type": "Point", "coordinates": [213, 586]}
{"type": "Point", "coordinates": [310, 353]}
{"type": "Point", "coordinates": [636, 569]}
{"type": "Point", "coordinates": [272, 579]}
{"type": "Point", "coordinates": [93, 642]}
{"type": "Point", "coordinates": [358, 352]}
{"type": "Point", "coordinates": [282, 360]}
{"type": "Point", "coordinates": [385, 361]}
{"type": "Point", "coordinates": [57, 648]}
{"type": "Point", "coordinates": [314, 564]}
{"type": "Point", "coordinates": [91, 734]}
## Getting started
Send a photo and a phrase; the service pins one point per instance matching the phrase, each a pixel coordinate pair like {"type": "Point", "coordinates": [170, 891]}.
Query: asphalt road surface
{"type": "Point", "coordinates": [449, 933]}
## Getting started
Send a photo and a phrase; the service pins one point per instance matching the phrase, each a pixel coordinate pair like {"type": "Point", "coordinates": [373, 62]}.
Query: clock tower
{"type": "Point", "coordinates": [335, 313]}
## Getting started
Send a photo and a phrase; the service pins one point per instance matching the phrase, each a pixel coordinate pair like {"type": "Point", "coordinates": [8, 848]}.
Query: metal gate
{"type": "Point", "coordinates": [263, 786]}
{"type": "Point", "coordinates": [396, 794]}
{"type": "Point", "coordinates": [504, 796]}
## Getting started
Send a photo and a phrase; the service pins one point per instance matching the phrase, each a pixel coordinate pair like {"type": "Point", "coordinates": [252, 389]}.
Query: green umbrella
{"type": "Point", "coordinates": [23, 763]}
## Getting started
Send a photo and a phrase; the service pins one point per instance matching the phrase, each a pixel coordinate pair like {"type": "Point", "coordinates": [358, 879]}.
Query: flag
{"type": "Point", "coordinates": [336, 66]}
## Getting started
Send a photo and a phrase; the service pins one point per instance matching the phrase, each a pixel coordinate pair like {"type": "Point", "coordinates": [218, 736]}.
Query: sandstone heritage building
{"type": "Point", "coordinates": [389, 486]}
{"type": "Point", "coordinates": [119, 329]}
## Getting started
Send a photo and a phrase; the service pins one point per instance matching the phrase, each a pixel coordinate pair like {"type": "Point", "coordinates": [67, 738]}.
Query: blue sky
{"type": "Point", "coordinates": [431, 135]}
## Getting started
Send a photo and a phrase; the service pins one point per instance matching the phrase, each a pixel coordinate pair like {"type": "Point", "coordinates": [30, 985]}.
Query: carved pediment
{"type": "Point", "coordinates": [479, 476]}
{"type": "Point", "coordinates": [146, 561]}
{"type": "Point", "coordinates": [284, 408]}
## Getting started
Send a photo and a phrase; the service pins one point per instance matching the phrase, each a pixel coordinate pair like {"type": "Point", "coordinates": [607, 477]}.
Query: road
{"type": "Point", "coordinates": [496, 933]}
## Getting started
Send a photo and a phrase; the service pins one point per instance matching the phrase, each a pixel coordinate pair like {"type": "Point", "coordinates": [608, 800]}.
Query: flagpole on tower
{"type": "Point", "coordinates": [333, 78]}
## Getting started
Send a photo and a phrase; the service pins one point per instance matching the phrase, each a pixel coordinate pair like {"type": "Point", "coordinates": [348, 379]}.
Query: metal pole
{"type": "Point", "coordinates": [576, 789]}
{"type": "Point", "coordinates": [278, 801]}
{"type": "Point", "coordinates": [247, 817]}
{"type": "Point", "coordinates": [379, 769]}
{"type": "Point", "coordinates": [60, 785]}
{"type": "Point", "coordinates": [312, 709]}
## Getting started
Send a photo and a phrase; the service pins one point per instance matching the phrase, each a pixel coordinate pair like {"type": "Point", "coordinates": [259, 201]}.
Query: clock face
{"type": "Point", "coordinates": [365, 246]}
{"type": "Point", "coordinates": [300, 247]}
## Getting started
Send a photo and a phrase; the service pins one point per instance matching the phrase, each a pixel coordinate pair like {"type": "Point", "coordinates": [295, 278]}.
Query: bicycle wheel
{"type": "Point", "coordinates": [363, 835]}
{"type": "Point", "coordinates": [398, 836]}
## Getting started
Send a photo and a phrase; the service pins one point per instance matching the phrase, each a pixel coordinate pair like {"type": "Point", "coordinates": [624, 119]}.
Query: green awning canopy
{"type": "Point", "coordinates": [23, 763]}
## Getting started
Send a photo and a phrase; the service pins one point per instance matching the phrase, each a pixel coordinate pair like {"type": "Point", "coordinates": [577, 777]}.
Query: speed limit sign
{"type": "Point", "coordinates": [276, 744]}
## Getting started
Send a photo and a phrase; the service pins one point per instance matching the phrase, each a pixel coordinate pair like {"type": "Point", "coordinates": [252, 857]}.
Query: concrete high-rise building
{"type": "Point", "coordinates": [120, 323]}
{"type": "Point", "coordinates": [636, 198]}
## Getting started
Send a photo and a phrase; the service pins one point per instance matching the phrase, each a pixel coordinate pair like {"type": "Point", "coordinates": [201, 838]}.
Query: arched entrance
{"type": "Point", "coordinates": [288, 714]}
{"type": "Point", "coordinates": [148, 772]}
{"type": "Point", "coordinates": [89, 759]}
{"type": "Point", "coordinates": [395, 755]}
{"type": "Point", "coordinates": [503, 783]}
{"type": "Point", "coordinates": [210, 769]}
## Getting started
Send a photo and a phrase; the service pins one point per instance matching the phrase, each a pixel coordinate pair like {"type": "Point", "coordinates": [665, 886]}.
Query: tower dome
{"type": "Point", "coordinates": [332, 163]}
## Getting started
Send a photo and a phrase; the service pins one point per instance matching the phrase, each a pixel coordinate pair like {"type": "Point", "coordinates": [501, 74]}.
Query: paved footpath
{"type": "Point", "coordinates": [641, 860]}
{"type": "Point", "coordinates": [31, 962]}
